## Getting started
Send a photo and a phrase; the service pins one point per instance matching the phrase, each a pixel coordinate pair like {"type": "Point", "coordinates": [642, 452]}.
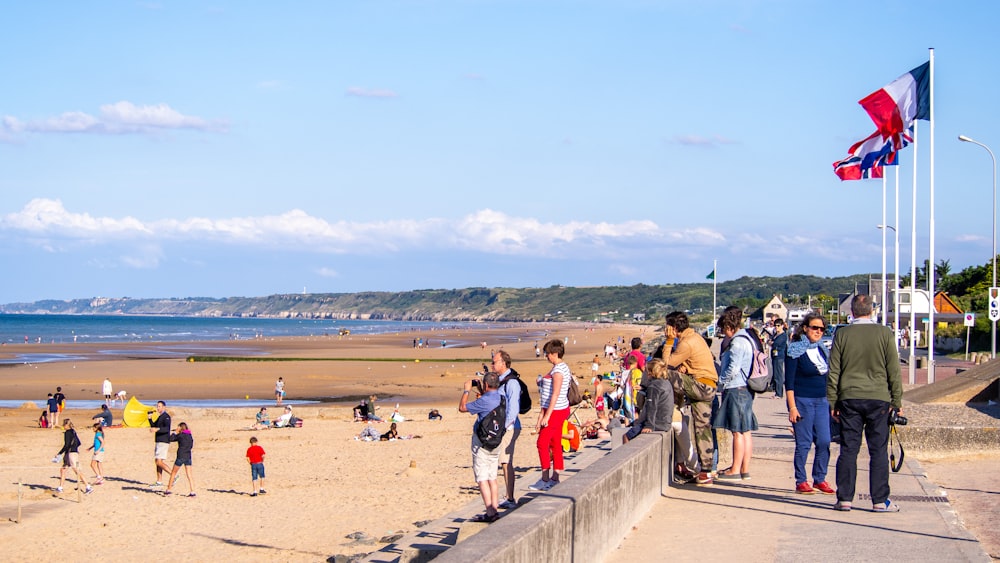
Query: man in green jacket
{"type": "Point", "coordinates": [862, 386]}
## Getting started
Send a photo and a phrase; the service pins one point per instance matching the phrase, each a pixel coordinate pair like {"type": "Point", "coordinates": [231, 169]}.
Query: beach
{"type": "Point", "coordinates": [321, 483]}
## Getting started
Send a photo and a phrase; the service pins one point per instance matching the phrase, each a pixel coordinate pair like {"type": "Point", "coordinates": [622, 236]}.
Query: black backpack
{"type": "Point", "coordinates": [491, 428]}
{"type": "Point", "coordinates": [525, 405]}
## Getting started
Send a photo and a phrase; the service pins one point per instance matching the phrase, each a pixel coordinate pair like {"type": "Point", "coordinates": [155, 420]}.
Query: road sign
{"type": "Point", "coordinates": [995, 304]}
{"type": "Point", "coordinates": [970, 319]}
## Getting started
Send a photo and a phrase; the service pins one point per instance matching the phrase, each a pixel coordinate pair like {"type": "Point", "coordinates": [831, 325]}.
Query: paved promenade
{"type": "Point", "coordinates": [763, 519]}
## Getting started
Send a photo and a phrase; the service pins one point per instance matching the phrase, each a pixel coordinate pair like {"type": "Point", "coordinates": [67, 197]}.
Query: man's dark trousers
{"type": "Point", "coordinates": [872, 417]}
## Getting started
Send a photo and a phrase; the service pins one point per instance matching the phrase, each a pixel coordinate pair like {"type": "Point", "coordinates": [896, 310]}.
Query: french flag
{"type": "Point", "coordinates": [894, 107]}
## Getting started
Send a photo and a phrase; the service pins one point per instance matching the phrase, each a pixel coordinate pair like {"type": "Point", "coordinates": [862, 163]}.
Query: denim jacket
{"type": "Point", "coordinates": [736, 361]}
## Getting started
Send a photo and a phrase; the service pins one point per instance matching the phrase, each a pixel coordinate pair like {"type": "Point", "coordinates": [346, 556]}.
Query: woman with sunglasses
{"type": "Point", "coordinates": [806, 366]}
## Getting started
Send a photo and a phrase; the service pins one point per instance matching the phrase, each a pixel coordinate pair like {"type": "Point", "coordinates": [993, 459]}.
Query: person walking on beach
{"type": "Point", "coordinates": [106, 389]}
{"type": "Point", "coordinates": [60, 400]}
{"type": "Point", "coordinates": [53, 409]}
{"type": "Point", "coordinates": [279, 390]}
{"type": "Point", "coordinates": [161, 440]}
{"type": "Point", "coordinates": [71, 457]}
{"type": "Point", "coordinates": [510, 388]}
{"type": "Point", "coordinates": [98, 457]}
{"type": "Point", "coordinates": [185, 443]}
{"type": "Point", "coordinates": [553, 388]}
{"type": "Point", "coordinates": [863, 386]}
{"type": "Point", "coordinates": [255, 457]}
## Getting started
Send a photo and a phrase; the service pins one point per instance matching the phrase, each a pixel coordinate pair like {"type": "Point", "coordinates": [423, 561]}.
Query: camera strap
{"type": "Point", "coordinates": [893, 463]}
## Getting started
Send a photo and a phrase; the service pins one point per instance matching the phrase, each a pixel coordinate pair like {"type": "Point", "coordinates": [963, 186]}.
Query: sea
{"type": "Point", "coordinates": [173, 336]}
{"type": "Point", "coordinates": [61, 329]}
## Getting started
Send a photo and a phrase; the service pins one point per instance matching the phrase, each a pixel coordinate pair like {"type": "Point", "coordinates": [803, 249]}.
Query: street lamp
{"type": "Point", "coordinates": [963, 138]}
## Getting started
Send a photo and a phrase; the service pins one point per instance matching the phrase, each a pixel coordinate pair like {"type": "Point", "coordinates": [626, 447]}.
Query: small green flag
{"type": "Point", "coordinates": [711, 275]}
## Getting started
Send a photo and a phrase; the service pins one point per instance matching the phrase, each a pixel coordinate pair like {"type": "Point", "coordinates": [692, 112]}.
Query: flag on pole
{"type": "Point", "coordinates": [868, 156]}
{"type": "Point", "coordinates": [850, 169]}
{"type": "Point", "coordinates": [711, 275]}
{"type": "Point", "coordinates": [894, 107]}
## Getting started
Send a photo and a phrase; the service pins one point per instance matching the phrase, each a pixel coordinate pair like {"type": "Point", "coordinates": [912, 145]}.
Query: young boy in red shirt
{"type": "Point", "coordinates": [255, 457]}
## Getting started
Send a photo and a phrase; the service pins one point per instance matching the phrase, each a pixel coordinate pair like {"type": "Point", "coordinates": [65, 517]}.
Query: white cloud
{"type": "Point", "coordinates": [117, 118]}
{"type": "Point", "coordinates": [327, 272]}
{"type": "Point", "coordinates": [371, 92]}
{"type": "Point", "coordinates": [700, 141]}
{"type": "Point", "coordinates": [47, 223]}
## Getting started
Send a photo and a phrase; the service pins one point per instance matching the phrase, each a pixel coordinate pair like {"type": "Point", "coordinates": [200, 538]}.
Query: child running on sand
{"type": "Point", "coordinates": [255, 457]}
{"type": "Point", "coordinates": [185, 443]}
{"type": "Point", "coordinates": [98, 447]}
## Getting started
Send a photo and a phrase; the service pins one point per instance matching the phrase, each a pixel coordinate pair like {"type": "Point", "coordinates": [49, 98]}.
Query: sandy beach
{"type": "Point", "coordinates": [321, 484]}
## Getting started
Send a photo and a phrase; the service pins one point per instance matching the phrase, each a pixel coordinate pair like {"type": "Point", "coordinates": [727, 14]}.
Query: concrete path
{"type": "Point", "coordinates": [765, 520]}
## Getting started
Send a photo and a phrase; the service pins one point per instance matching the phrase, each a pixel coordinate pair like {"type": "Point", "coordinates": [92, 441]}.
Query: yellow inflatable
{"type": "Point", "coordinates": [134, 415]}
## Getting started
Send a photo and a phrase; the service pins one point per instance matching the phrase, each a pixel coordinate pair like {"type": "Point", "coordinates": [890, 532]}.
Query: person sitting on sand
{"type": "Point", "coordinates": [104, 417]}
{"type": "Point", "coordinates": [361, 411]}
{"type": "Point", "coordinates": [371, 409]}
{"type": "Point", "coordinates": [285, 419]}
{"type": "Point", "coordinates": [263, 422]}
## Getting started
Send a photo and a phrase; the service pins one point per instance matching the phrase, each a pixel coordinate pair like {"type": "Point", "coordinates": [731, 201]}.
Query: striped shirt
{"type": "Point", "coordinates": [545, 387]}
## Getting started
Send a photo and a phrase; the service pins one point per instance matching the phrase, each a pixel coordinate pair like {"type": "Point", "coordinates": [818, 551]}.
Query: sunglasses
{"type": "Point", "coordinates": [813, 327]}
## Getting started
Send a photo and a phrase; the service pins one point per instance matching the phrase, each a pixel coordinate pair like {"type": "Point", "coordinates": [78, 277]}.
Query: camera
{"type": "Point", "coordinates": [896, 420]}
{"type": "Point", "coordinates": [478, 384]}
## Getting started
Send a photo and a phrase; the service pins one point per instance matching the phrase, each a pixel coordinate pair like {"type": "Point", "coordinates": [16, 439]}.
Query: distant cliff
{"type": "Point", "coordinates": [556, 303]}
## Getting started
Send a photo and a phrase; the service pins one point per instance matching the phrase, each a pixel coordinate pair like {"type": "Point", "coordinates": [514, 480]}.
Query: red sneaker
{"type": "Point", "coordinates": [824, 488]}
{"type": "Point", "coordinates": [804, 489]}
{"type": "Point", "coordinates": [703, 479]}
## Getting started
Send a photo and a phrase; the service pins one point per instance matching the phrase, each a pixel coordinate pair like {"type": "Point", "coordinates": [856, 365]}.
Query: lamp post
{"type": "Point", "coordinates": [963, 138]}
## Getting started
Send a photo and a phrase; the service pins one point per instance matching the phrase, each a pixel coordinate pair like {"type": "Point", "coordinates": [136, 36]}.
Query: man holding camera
{"type": "Point", "coordinates": [864, 390]}
{"type": "Point", "coordinates": [484, 461]}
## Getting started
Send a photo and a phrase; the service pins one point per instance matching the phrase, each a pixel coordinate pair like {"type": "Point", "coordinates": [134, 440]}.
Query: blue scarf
{"type": "Point", "coordinates": [800, 346]}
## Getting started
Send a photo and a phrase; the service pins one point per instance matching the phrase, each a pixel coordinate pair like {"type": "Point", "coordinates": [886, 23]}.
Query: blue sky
{"type": "Point", "coordinates": [234, 148]}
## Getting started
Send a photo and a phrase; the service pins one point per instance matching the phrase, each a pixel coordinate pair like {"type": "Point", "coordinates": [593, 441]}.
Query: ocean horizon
{"type": "Point", "coordinates": [167, 335]}
{"type": "Point", "coordinates": [64, 329]}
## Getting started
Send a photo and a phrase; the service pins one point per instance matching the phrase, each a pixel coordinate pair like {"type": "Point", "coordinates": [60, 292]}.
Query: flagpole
{"type": "Point", "coordinates": [882, 299]}
{"type": "Point", "coordinates": [895, 232]}
{"type": "Point", "coordinates": [913, 267]}
{"type": "Point", "coordinates": [715, 282]}
{"type": "Point", "coordinates": [931, 282]}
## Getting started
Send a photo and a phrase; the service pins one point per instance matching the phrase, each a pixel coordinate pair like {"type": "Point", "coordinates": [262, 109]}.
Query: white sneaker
{"type": "Point", "coordinates": [89, 490]}
{"type": "Point", "coordinates": [541, 485]}
{"type": "Point", "coordinates": [59, 489]}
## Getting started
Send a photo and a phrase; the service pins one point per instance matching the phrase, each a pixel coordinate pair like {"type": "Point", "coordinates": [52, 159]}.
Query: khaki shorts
{"type": "Point", "coordinates": [508, 444]}
{"type": "Point", "coordinates": [71, 459]}
{"type": "Point", "coordinates": [99, 456]}
{"type": "Point", "coordinates": [484, 462]}
{"type": "Point", "coordinates": [160, 452]}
